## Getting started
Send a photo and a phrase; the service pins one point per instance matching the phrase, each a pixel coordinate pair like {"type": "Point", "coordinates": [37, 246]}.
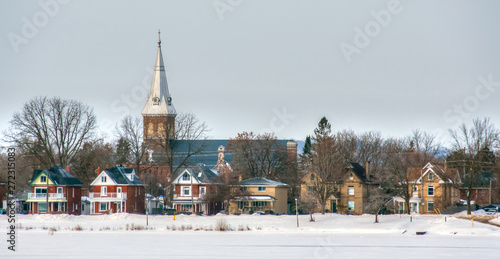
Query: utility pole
{"type": "Point", "coordinates": [297, 212]}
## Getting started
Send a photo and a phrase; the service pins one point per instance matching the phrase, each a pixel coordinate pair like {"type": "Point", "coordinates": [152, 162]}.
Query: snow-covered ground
{"type": "Point", "coordinates": [252, 236]}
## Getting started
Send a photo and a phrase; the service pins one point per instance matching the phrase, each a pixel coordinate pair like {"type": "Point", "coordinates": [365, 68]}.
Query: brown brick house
{"type": "Point", "coordinates": [351, 189]}
{"type": "Point", "coordinates": [433, 188]}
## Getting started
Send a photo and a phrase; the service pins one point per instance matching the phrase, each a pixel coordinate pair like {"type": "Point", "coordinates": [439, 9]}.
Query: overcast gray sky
{"type": "Point", "coordinates": [261, 65]}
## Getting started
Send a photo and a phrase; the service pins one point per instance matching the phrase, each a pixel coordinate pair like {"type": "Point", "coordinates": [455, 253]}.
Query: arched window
{"type": "Point", "coordinates": [312, 177]}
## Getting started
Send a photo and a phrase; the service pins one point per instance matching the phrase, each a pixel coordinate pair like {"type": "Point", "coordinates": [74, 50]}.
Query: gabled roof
{"type": "Point", "coordinates": [415, 174]}
{"type": "Point", "coordinates": [261, 181]}
{"type": "Point", "coordinates": [123, 175]}
{"type": "Point", "coordinates": [201, 173]}
{"type": "Point", "coordinates": [358, 170]}
{"type": "Point", "coordinates": [58, 175]}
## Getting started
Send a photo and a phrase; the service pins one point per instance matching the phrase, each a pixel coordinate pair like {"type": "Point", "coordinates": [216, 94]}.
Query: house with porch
{"type": "Point", "coordinates": [432, 188]}
{"type": "Point", "coordinates": [117, 189]}
{"type": "Point", "coordinates": [57, 186]}
{"type": "Point", "coordinates": [190, 187]}
{"type": "Point", "coordinates": [260, 194]}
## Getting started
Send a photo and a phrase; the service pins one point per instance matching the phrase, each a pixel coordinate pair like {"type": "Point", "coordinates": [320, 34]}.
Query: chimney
{"type": "Point", "coordinates": [98, 171]}
{"type": "Point", "coordinates": [67, 168]}
{"type": "Point", "coordinates": [367, 169]}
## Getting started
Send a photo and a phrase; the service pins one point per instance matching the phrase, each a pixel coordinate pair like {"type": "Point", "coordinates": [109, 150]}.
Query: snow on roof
{"type": "Point", "coordinates": [255, 197]}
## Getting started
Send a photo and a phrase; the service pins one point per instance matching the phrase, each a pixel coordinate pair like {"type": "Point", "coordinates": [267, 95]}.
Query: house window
{"type": "Point", "coordinates": [244, 188]}
{"type": "Point", "coordinates": [311, 188]}
{"type": "Point", "coordinates": [203, 190]}
{"type": "Point", "coordinates": [186, 191]}
{"type": "Point", "coordinates": [186, 207]}
{"type": "Point", "coordinates": [103, 206]}
{"type": "Point", "coordinates": [430, 190]}
{"type": "Point", "coordinates": [335, 188]}
{"type": "Point", "coordinates": [430, 205]}
{"type": "Point", "coordinates": [118, 189]}
{"type": "Point", "coordinates": [242, 204]}
{"type": "Point", "coordinates": [415, 189]}
{"type": "Point", "coordinates": [83, 207]}
{"type": "Point", "coordinates": [350, 190]}
{"type": "Point", "coordinates": [483, 192]}
{"type": "Point", "coordinates": [430, 177]}
{"type": "Point", "coordinates": [73, 191]}
{"type": "Point", "coordinates": [139, 191]}
{"type": "Point", "coordinates": [43, 179]}
{"type": "Point", "coordinates": [186, 177]}
{"type": "Point", "coordinates": [135, 188]}
{"type": "Point", "coordinates": [76, 206]}
{"type": "Point", "coordinates": [59, 190]}
{"type": "Point", "coordinates": [104, 190]}
{"type": "Point", "coordinates": [262, 188]}
{"type": "Point", "coordinates": [312, 177]}
{"type": "Point", "coordinates": [259, 204]}
{"type": "Point", "coordinates": [103, 179]}
{"type": "Point", "coordinates": [351, 176]}
{"type": "Point", "coordinates": [350, 205]}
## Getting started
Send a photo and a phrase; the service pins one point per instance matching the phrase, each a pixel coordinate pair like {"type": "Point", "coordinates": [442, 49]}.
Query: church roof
{"type": "Point", "coordinates": [209, 155]}
{"type": "Point", "coordinates": [159, 102]}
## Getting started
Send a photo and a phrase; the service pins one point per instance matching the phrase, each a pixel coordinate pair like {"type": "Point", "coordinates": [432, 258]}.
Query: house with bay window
{"type": "Point", "coordinates": [117, 189]}
{"type": "Point", "coordinates": [57, 186]}
{"type": "Point", "coordinates": [190, 187]}
{"type": "Point", "coordinates": [260, 194]}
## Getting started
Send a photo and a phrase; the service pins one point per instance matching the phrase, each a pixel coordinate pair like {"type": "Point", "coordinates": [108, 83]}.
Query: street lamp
{"type": "Point", "coordinates": [297, 212]}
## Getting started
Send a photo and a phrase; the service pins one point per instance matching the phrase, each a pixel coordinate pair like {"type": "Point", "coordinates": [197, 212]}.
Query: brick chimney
{"type": "Point", "coordinates": [98, 171]}
{"type": "Point", "coordinates": [367, 169]}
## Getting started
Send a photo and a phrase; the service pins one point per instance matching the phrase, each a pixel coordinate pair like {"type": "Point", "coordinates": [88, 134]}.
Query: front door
{"type": "Point", "coordinates": [119, 207]}
{"type": "Point", "coordinates": [413, 207]}
{"type": "Point", "coordinates": [333, 206]}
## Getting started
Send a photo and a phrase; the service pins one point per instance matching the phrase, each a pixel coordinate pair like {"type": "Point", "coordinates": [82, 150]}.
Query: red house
{"type": "Point", "coordinates": [59, 187]}
{"type": "Point", "coordinates": [117, 189]}
{"type": "Point", "coordinates": [191, 185]}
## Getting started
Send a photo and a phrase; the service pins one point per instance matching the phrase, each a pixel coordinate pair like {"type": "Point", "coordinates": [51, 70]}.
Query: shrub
{"type": "Point", "coordinates": [78, 228]}
{"type": "Point", "coordinates": [221, 225]}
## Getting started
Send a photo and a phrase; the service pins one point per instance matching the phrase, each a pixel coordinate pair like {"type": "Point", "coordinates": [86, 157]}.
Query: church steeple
{"type": "Point", "coordinates": [159, 102]}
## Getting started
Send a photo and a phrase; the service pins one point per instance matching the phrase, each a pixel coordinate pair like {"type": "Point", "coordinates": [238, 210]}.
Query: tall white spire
{"type": "Point", "coordinates": [159, 102]}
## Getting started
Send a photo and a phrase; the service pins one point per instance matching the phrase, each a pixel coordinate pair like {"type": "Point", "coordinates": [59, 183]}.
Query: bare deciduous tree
{"type": "Point", "coordinates": [258, 156]}
{"type": "Point", "coordinates": [52, 130]}
{"type": "Point", "coordinates": [130, 130]}
{"type": "Point", "coordinates": [308, 204]}
{"type": "Point", "coordinates": [473, 151]}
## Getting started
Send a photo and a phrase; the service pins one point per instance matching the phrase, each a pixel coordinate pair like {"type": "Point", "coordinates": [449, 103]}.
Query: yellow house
{"type": "Point", "coordinates": [260, 194]}
{"type": "Point", "coordinates": [350, 190]}
{"type": "Point", "coordinates": [432, 188]}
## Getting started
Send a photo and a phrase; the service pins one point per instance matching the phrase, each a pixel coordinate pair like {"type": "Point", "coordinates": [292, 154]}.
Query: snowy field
{"type": "Point", "coordinates": [252, 236]}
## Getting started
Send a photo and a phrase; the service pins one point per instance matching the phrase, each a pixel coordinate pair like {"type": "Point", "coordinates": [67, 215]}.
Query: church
{"type": "Point", "coordinates": [168, 151]}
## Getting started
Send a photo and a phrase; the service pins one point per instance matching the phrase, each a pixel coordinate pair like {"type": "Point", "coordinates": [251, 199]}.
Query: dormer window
{"type": "Point", "coordinates": [430, 177]}
{"type": "Point", "coordinates": [186, 177]}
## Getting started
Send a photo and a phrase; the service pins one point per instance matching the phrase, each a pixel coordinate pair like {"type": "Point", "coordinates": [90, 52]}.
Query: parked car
{"type": "Point", "coordinates": [490, 211]}
{"type": "Point", "coordinates": [491, 207]}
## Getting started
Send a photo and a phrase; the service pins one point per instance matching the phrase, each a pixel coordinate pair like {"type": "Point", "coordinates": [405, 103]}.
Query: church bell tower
{"type": "Point", "coordinates": [159, 112]}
